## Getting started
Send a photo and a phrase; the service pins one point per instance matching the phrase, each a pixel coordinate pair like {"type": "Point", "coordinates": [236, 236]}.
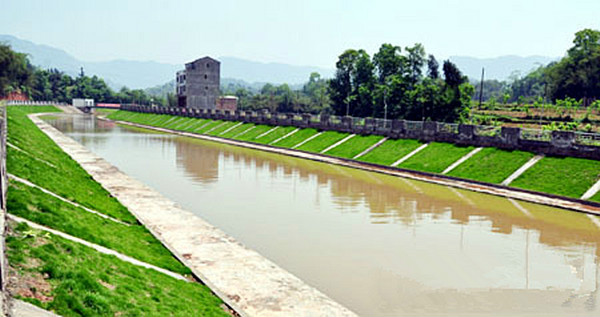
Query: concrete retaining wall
{"type": "Point", "coordinates": [558, 143]}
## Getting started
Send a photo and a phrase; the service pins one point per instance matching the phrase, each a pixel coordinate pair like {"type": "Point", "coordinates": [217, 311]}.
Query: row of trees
{"type": "Point", "coordinates": [313, 97]}
{"type": "Point", "coordinates": [394, 85]}
{"type": "Point", "coordinates": [577, 75]}
{"type": "Point", "coordinates": [18, 75]}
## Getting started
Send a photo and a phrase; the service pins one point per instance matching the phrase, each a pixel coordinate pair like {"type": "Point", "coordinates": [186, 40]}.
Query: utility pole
{"type": "Point", "coordinates": [481, 88]}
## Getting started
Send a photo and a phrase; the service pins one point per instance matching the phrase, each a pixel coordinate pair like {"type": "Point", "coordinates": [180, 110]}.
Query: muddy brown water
{"type": "Point", "coordinates": [380, 245]}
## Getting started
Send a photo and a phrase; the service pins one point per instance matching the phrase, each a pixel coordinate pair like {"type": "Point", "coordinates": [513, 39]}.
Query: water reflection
{"type": "Point", "coordinates": [380, 245]}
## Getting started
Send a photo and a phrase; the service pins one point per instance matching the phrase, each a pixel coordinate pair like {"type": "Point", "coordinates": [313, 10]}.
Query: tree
{"type": "Point", "coordinates": [351, 88]}
{"type": "Point", "coordinates": [415, 62]}
{"type": "Point", "coordinates": [433, 67]}
{"type": "Point", "coordinates": [15, 71]}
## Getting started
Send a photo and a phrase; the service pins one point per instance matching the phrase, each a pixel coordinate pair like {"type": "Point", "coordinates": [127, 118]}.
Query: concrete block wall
{"type": "Point", "coordinates": [560, 143]}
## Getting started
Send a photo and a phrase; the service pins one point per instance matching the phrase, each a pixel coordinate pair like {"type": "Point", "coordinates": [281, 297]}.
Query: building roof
{"type": "Point", "coordinates": [204, 59]}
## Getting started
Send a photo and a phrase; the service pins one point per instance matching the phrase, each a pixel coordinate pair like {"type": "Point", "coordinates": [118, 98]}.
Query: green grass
{"type": "Point", "coordinates": [435, 157]}
{"type": "Point", "coordinates": [354, 146]}
{"type": "Point", "coordinates": [390, 151]}
{"type": "Point", "coordinates": [566, 176]}
{"type": "Point", "coordinates": [45, 164]}
{"type": "Point", "coordinates": [323, 141]}
{"type": "Point", "coordinates": [491, 165]}
{"type": "Point", "coordinates": [74, 280]}
{"type": "Point", "coordinates": [209, 125]}
{"type": "Point", "coordinates": [105, 110]}
{"type": "Point", "coordinates": [222, 127]}
{"type": "Point", "coordinates": [275, 134]}
{"type": "Point", "coordinates": [296, 138]}
{"type": "Point", "coordinates": [134, 240]}
{"type": "Point", "coordinates": [252, 134]}
{"type": "Point", "coordinates": [237, 130]}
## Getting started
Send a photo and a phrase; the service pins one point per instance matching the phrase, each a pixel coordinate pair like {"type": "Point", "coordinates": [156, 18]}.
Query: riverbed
{"type": "Point", "coordinates": [379, 245]}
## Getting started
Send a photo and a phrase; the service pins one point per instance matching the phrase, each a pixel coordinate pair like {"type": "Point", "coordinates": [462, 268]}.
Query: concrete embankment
{"type": "Point", "coordinates": [245, 280]}
{"type": "Point", "coordinates": [499, 190]}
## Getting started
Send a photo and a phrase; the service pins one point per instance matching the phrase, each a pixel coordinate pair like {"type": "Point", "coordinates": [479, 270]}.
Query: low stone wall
{"type": "Point", "coordinates": [556, 143]}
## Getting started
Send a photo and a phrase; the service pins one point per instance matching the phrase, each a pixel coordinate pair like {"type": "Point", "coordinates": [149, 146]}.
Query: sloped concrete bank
{"type": "Point", "coordinates": [573, 204]}
{"type": "Point", "coordinates": [249, 283]}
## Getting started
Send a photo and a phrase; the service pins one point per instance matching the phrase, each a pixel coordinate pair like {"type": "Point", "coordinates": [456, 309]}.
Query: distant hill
{"type": "Point", "coordinates": [143, 74]}
{"type": "Point", "coordinates": [236, 71]}
{"type": "Point", "coordinates": [499, 68]}
{"type": "Point", "coordinates": [249, 71]}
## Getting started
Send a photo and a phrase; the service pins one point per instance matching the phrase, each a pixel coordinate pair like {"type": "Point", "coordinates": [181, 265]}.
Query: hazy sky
{"type": "Point", "coordinates": [302, 32]}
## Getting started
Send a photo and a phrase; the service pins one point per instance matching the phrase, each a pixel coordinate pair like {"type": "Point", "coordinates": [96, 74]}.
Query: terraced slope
{"type": "Point", "coordinates": [323, 141]}
{"type": "Point", "coordinates": [390, 151]}
{"type": "Point", "coordinates": [354, 146]}
{"type": "Point", "coordinates": [435, 157]}
{"type": "Point", "coordinates": [491, 165]}
{"type": "Point", "coordinates": [565, 176]}
{"type": "Point", "coordinates": [296, 138]}
{"type": "Point", "coordinates": [276, 134]}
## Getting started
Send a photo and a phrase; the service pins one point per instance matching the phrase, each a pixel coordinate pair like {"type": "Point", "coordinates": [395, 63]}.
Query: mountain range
{"type": "Point", "coordinates": [145, 74]}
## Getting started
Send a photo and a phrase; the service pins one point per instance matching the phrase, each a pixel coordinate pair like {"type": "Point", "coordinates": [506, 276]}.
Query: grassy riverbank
{"type": "Point", "coordinates": [33, 156]}
{"type": "Point", "coordinates": [73, 280]}
{"type": "Point", "coordinates": [562, 176]}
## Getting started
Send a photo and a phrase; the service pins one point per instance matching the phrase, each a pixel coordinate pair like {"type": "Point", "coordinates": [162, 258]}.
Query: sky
{"type": "Point", "coordinates": [304, 32]}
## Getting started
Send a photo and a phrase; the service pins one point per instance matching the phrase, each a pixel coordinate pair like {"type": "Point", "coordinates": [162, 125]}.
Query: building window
{"type": "Point", "coordinates": [206, 88]}
{"type": "Point", "coordinates": [205, 76]}
{"type": "Point", "coordinates": [207, 65]}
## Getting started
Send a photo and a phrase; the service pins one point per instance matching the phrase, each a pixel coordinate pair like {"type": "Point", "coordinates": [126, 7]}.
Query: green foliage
{"type": "Point", "coordinates": [15, 71]}
{"type": "Point", "coordinates": [566, 176]}
{"type": "Point", "coordinates": [491, 165]}
{"type": "Point", "coordinates": [83, 282]}
{"type": "Point", "coordinates": [392, 85]}
{"type": "Point", "coordinates": [312, 98]}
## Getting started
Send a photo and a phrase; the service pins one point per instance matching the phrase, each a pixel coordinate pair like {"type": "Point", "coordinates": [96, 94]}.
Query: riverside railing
{"type": "Point", "coordinates": [560, 143]}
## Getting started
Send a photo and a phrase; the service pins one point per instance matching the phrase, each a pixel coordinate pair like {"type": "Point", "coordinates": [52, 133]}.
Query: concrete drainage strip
{"type": "Point", "coordinates": [248, 282]}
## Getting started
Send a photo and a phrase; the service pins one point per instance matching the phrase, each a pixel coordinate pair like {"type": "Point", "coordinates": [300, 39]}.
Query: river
{"type": "Point", "coordinates": [377, 244]}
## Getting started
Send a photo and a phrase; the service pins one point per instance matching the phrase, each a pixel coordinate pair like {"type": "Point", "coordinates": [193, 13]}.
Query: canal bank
{"type": "Point", "coordinates": [380, 245]}
{"type": "Point", "coordinates": [248, 282]}
{"type": "Point", "coordinates": [578, 205]}
{"type": "Point", "coordinates": [83, 252]}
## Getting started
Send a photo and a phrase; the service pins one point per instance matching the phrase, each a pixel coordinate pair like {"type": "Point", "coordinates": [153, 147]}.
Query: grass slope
{"type": "Point", "coordinates": [223, 127]}
{"type": "Point", "coordinates": [296, 138]}
{"type": "Point", "coordinates": [74, 280]}
{"type": "Point", "coordinates": [323, 141]}
{"type": "Point", "coordinates": [274, 135]}
{"type": "Point", "coordinates": [42, 162]}
{"type": "Point", "coordinates": [435, 157]}
{"type": "Point", "coordinates": [390, 151]}
{"type": "Point", "coordinates": [237, 130]}
{"type": "Point", "coordinates": [354, 146]}
{"type": "Point", "coordinates": [135, 240]}
{"type": "Point", "coordinates": [491, 165]}
{"type": "Point", "coordinates": [566, 176]}
{"type": "Point", "coordinates": [252, 134]}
